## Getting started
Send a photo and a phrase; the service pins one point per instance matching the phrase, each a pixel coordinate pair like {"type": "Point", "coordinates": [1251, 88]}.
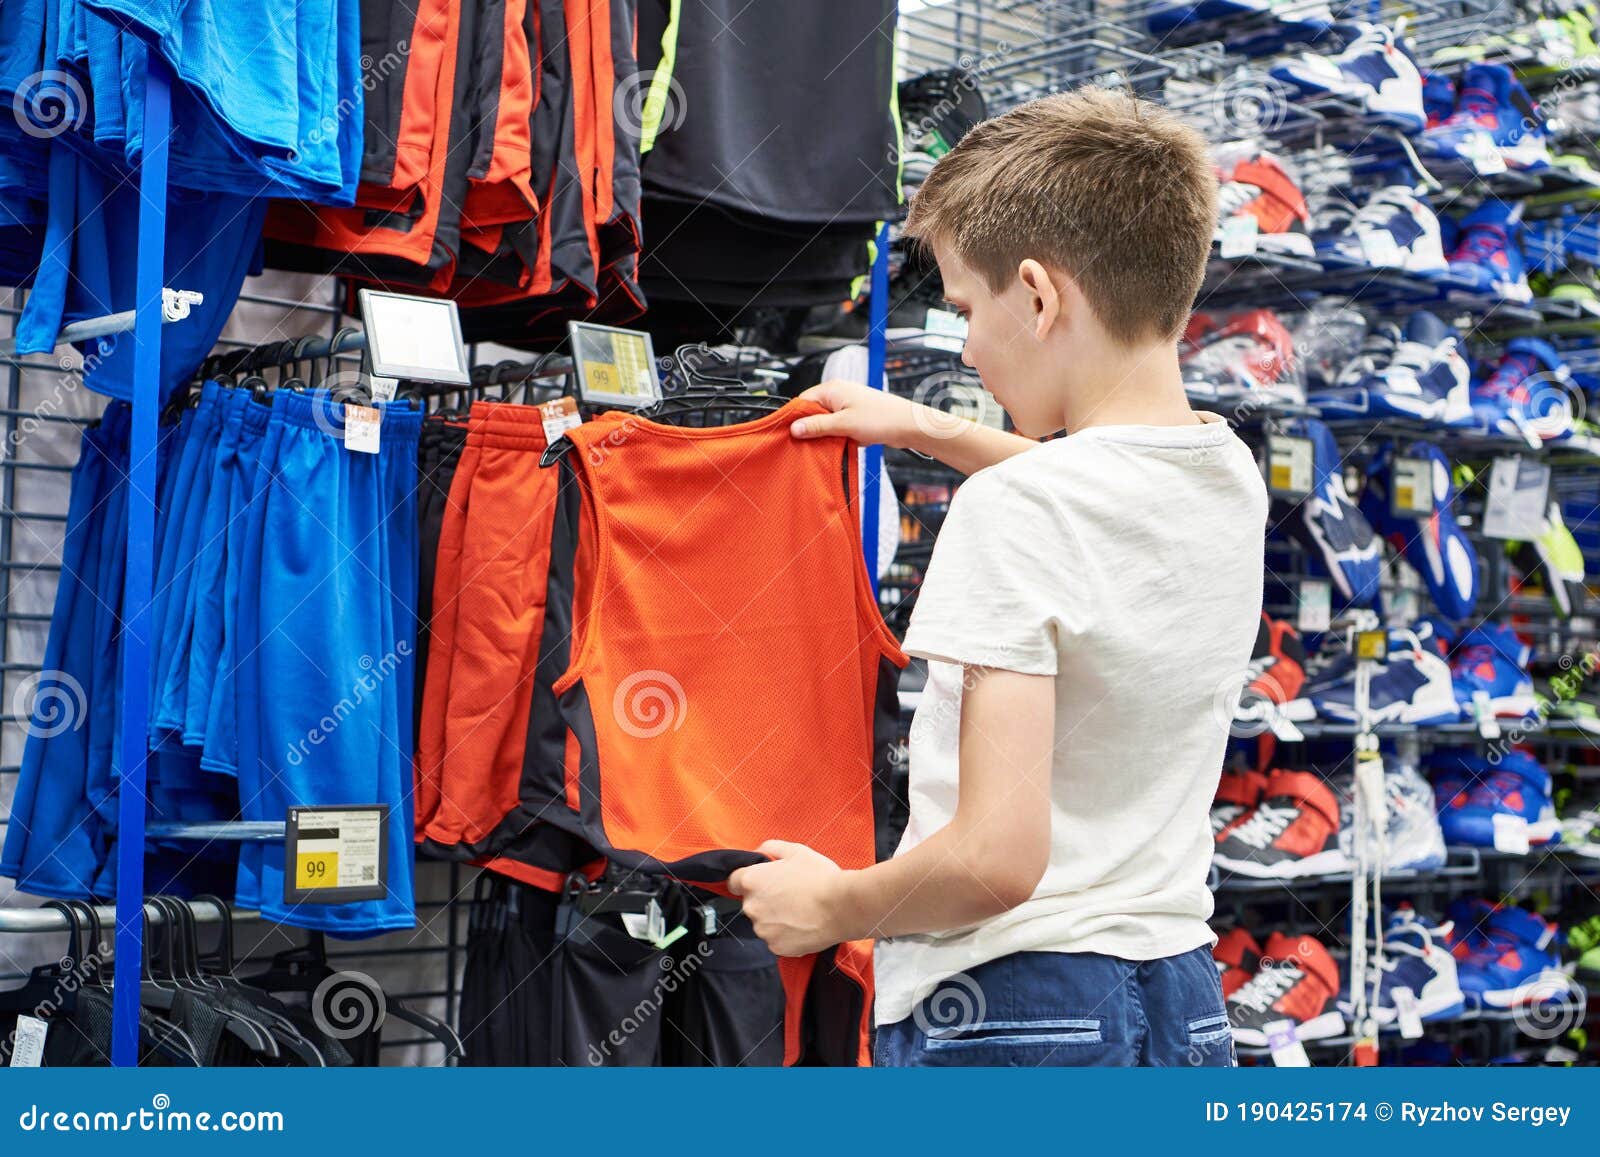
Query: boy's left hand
{"type": "Point", "coordinates": [789, 900]}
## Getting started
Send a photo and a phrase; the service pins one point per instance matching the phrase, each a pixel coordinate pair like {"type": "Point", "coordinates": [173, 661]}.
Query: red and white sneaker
{"type": "Point", "coordinates": [1254, 183]}
{"type": "Point", "coordinates": [1237, 793]}
{"type": "Point", "coordinates": [1238, 956]}
{"type": "Point", "coordinates": [1293, 831]}
{"type": "Point", "coordinates": [1298, 981]}
{"type": "Point", "coordinates": [1277, 670]}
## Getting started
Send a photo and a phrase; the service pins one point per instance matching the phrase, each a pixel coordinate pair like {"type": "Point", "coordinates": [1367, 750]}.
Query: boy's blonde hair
{"type": "Point", "coordinates": [1113, 190]}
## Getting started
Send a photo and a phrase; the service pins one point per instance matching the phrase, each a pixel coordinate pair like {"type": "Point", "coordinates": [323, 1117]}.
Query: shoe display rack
{"type": "Point", "coordinates": [1401, 315]}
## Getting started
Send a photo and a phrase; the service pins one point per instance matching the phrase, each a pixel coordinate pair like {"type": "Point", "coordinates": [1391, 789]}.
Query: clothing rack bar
{"type": "Point", "coordinates": [151, 311]}
{"type": "Point", "coordinates": [174, 307]}
{"type": "Point", "coordinates": [54, 920]}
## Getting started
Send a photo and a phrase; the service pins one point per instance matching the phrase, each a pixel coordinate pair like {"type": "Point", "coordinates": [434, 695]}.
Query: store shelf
{"type": "Point", "coordinates": [1460, 863]}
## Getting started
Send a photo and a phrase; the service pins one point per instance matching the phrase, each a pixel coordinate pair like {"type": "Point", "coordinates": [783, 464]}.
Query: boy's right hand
{"type": "Point", "coordinates": [859, 412]}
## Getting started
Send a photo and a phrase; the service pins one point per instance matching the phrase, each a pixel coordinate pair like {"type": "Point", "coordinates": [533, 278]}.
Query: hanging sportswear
{"type": "Point", "coordinates": [686, 599]}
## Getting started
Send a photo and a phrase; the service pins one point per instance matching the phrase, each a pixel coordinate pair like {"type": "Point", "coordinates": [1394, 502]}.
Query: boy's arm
{"type": "Point", "coordinates": [871, 416]}
{"type": "Point", "coordinates": [987, 860]}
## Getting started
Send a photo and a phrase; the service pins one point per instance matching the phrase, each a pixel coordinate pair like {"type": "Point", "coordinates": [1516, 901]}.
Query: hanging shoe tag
{"type": "Point", "coordinates": [1240, 236]}
{"type": "Point", "coordinates": [27, 1044]}
{"type": "Point", "coordinates": [1287, 1051]}
{"type": "Point", "coordinates": [361, 425]}
{"type": "Point", "coordinates": [1405, 1004]}
{"type": "Point", "coordinates": [1483, 714]}
{"type": "Point", "coordinates": [1369, 781]}
{"type": "Point", "coordinates": [1510, 834]}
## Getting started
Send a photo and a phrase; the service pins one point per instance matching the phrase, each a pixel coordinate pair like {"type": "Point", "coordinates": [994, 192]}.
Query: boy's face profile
{"type": "Point", "coordinates": [1010, 341]}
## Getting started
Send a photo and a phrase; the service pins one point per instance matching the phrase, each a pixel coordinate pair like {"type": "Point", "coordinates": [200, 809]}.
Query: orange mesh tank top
{"type": "Point", "coordinates": [728, 677]}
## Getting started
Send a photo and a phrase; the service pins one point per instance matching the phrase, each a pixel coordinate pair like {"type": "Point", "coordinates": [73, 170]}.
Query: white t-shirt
{"type": "Point", "coordinates": [1126, 561]}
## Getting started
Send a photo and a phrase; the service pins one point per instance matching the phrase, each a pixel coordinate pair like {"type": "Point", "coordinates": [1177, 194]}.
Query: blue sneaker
{"type": "Point", "coordinates": [1529, 393]}
{"type": "Point", "coordinates": [1416, 959]}
{"type": "Point", "coordinates": [1438, 97]}
{"type": "Point", "coordinates": [1492, 112]}
{"type": "Point", "coordinates": [1492, 661]}
{"type": "Point", "coordinates": [1479, 799]}
{"type": "Point", "coordinates": [1434, 544]}
{"type": "Point", "coordinates": [1411, 686]}
{"type": "Point", "coordinates": [1487, 257]}
{"type": "Point", "coordinates": [1505, 957]}
{"type": "Point", "coordinates": [1331, 526]}
{"type": "Point", "coordinates": [1374, 69]}
{"type": "Point", "coordinates": [1423, 377]}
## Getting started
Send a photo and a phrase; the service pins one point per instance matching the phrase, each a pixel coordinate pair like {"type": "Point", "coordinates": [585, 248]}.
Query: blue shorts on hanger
{"type": "Point", "coordinates": [327, 642]}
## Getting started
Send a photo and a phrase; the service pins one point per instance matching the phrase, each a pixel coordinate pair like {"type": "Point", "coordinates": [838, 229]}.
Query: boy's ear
{"type": "Point", "coordinates": [1043, 295]}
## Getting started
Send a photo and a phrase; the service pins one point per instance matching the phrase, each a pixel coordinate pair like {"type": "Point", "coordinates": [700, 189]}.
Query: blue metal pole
{"type": "Point", "coordinates": [877, 351]}
{"type": "Point", "coordinates": [149, 278]}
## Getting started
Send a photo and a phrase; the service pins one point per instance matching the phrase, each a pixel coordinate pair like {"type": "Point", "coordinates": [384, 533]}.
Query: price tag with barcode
{"type": "Point", "coordinates": [1284, 1041]}
{"type": "Point", "coordinates": [361, 424]}
{"type": "Point", "coordinates": [1289, 467]}
{"type": "Point", "coordinates": [333, 855]}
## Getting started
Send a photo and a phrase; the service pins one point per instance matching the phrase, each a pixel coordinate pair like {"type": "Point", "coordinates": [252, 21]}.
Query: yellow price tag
{"type": "Point", "coordinates": [1372, 645]}
{"type": "Point", "coordinates": [602, 377]}
{"type": "Point", "coordinates": [316, 870]}
{"type": "Point", "coordinates": [1405, 497]}
{"type": "Point", "coordinates": [1282, 476]}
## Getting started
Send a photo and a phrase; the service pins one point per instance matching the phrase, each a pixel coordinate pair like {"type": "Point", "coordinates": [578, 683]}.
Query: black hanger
{"type": "Point", "coordinates": [42, 988]}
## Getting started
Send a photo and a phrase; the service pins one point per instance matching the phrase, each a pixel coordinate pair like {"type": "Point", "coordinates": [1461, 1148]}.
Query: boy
{"type": "Point", "coordinates": [1091, 603]}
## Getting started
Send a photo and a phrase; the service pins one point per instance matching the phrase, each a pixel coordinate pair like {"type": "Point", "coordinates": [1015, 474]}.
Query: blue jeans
{"type": "Point", "coordinates": [1068, 1008]}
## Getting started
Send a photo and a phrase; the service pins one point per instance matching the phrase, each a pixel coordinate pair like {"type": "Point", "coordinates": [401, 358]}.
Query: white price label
{"type": "Point", "coordinates": [1510, 834]}
{"type": "Point", "coordinates": [1284, 1041]}
{"type": "Point", "coordinates": [27, 1043]}
{"type": "Point", "coordinates": [1519, 496]}
{"type": "Point", "coordinates": [382, 389]}
{"type": "Point", "coordinates": [1314, 613]}
{"type": "Point", "coordinates": [1483, 713]}
{"type": "Point", "coordinates": [558, 417]}
{"type": "Point", "coordinates": [361, 425]}
{"type": "Point", "coordinates": [1241, 235]}
{"type": "Point", "coordinates": [1289, 466]}
{"type": "Point", "coordinates": [335, 854]}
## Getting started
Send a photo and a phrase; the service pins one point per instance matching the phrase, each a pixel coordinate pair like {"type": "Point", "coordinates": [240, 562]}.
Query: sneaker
{"type": "Point", "coordinates": [1493, 113]}
{"type": "Point", "coordinates": [1393, 229]}
{"type": "Point", "coordinates": [1411, 686]}
{"type": "Point", "coordinates": [1238, 956]}
{"type": "Point", "coordinates": [1506, 956]}
{"type": "Point", "coordinates": [1278, 665]}
{"type": "Point", "coordinates": [1373, 69]}
{"type": "Point", "coordinates": [1584, 939]}
{"type": "Point", "coordinates": [1527, 395]}
{"type": "Point", "coordinates": [1556, 555]}
{"type": "Point", "coordinates": [1411, 837]}
{"type": "Point", "coordinates": [1435, 543]}
{"type": "Point", "coordinates": [1293, 831]}
{"type": "Point", "coordinates": [1250, 354]}
{"type": "Point", "coordinates": [1331, 526]}
{"type": "Point", "coordinates": [1487, 257]}
{"type": "Point", "coordinates": [1416, 373]}
{"type": "Point", "coordinates": [1492, 661]}
{"type": "Point", "coordinates": [1564, 704]}
{"type": "Point", "coordinates": [1415, 958]}
{"type": "Point", "coordinates": [1578, 804]}
{"type": "Point", "coordinates": [1438, 97]}
{"type": "Point", "coordinates": [1301, 984]}
{"type": "Point", "coordinates": [1237, 793]}
{"type": "Point", "coordinates": [1256, 185]}
{"type": "Point", "coordinates": [1479, 800]}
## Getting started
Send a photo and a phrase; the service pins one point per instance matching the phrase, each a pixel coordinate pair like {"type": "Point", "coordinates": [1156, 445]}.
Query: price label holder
{"type": "Point", "coordinates": [946, 330]}
{"type": "Point", "coordinates": [1372, 646]}
{"type": "Point", "coordinates": [1405, 1004]}
{"type": "Point", "coordinates": [412, 338]}
{"type": "Point", "coordinates": [1411, 488]}
{"type": "Point", "coordinates": [1241, 235]}
{"type": "Point", "coordinates": [361, 427]}
{"type": "Point", "coordinates": [616, 367]}
{"type": "Point", "coordinates": [1284, 1042]}
{"type": "Point", "coordinates": [334, 855]}
{"type": "Point", "coordinates": [1519, 493]}
{"type": "Point", "coordinates": [1289, 460]}
{"type": "Point", "coordinates": [1314, 606]}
